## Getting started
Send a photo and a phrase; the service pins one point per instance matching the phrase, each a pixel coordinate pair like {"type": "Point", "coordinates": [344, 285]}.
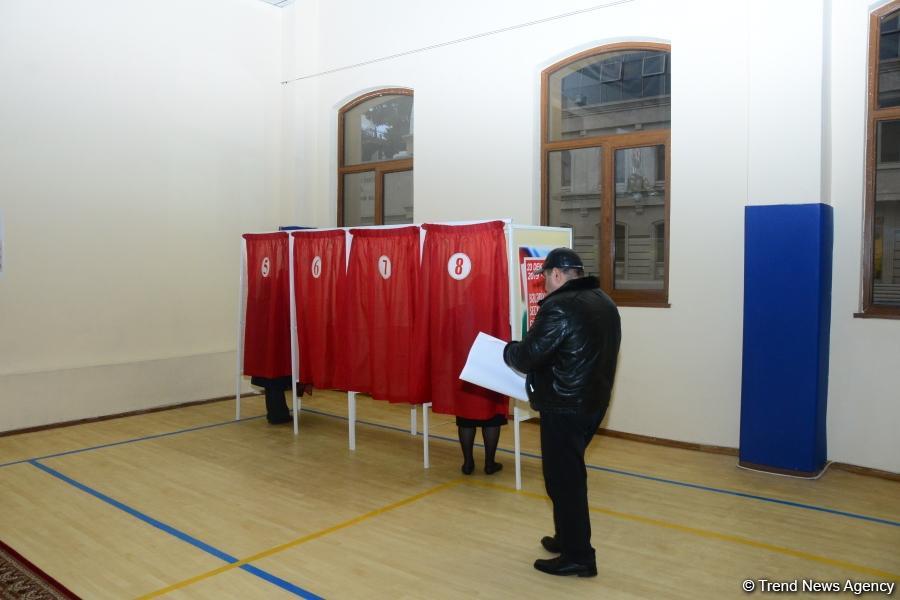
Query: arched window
{"type": "Point", "coordinates": [375, 159]}
{"type": "Point", "coordinates": [881, 233]}
{"type": "Point", "coordinates": [605, 131]}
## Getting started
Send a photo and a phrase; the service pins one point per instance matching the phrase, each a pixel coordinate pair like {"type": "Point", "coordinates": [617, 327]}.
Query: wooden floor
{"type": "Point", "coordinates": [190, 504]}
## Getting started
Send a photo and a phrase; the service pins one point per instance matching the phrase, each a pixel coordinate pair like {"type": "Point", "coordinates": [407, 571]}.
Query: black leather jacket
{"type": "Point", "coordinates": [569, 355]}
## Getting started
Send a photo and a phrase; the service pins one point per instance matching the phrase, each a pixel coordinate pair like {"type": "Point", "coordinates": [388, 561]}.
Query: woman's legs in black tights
{"type": "Point", "coordinates": [467, 442]}
{"type": "Point", "coordinates": [491, 437]}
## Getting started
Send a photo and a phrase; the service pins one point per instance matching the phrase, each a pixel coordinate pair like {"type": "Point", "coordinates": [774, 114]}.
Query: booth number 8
{"type": "Point", "coordinates": [459, 266]}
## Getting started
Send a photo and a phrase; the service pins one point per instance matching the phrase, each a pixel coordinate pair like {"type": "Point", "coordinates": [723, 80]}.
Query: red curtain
{"type": "Point", "coordinates": [319, 280]}
{"type": "Point", "coordinates": [267, 336]}
{"type": "Point", "coordinates": [465, 289]}
{"type": "Point", "coordinates": [377, 341]}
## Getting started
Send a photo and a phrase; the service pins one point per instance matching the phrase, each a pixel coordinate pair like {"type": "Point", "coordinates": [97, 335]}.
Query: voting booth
{"type": "Point", "coordinates": [390, 311]}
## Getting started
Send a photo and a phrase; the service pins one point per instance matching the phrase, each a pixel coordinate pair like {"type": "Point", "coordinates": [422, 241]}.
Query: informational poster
{"type": "Point", "coordinates": [533, 284]}
{"type": "Point", "coordinates": [530, 245]}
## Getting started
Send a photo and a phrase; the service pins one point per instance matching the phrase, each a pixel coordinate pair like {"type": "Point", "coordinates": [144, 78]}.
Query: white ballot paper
{"type": "Point", "coordinates": [485, 367]}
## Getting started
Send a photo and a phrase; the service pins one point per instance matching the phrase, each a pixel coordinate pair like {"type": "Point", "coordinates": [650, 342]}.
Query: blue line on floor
{"type": "Point", "coordinates": [685, 484]}
{"type": "Point", "coordinates": [528, 454]}
{"type": "Point", "coordinates": [140, 439]}
{"type": "Point", "coordinates": [744, 495]}
{"type": "Point", "coordinates": [285, 585]}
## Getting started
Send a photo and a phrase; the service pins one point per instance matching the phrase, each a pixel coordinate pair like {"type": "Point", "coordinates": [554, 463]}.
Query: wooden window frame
{"type": "Point", "coordinates": [379, 168]}
{"type": "Point", "coordinates": [874, 116]}
{"type": "Point", "coordinates": [609, 145]}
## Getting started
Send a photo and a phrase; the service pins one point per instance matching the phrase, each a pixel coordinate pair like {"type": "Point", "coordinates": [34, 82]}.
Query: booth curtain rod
{"type": "Point", "coordinates": [460, 40]}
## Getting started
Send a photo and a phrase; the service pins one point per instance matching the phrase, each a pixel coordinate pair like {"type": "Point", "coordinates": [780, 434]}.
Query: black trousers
{"type": "Point", "coordinates": [564, 438]}
{"type": "Point", "coordinates": [276, 406]}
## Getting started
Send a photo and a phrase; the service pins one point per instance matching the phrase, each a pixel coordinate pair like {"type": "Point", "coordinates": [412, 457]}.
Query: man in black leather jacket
{"type": "Point", "coordinates": [569, 357]}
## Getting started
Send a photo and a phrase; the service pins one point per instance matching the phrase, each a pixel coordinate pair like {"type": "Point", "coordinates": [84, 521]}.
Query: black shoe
{"type": "Point", "coordinates": [563, 566]}
{"type": "Point", "coordinates": [280, 420]}
{"type": "Point", "coordinates": [492, 468]}
{"type": "Point", "coordinates": [551, 544]}
{"type": "Point", "coordinates": [467, 468]}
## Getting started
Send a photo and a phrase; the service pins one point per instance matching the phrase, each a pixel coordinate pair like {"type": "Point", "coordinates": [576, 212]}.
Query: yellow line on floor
{"type": "Point", "coordinates": [303, 540]}
{"type": "Point", "coordinates": [725, 537]}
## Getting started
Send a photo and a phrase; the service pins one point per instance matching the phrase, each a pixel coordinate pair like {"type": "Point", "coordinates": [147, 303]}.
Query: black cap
{"type": "Point", "coordinates": [561, 258]}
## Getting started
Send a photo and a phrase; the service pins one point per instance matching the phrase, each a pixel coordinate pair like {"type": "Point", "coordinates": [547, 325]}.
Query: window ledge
{"type": "Point", "coordinates": [639, 304]}
{"type": "Point", "coordinates": [878, 314]}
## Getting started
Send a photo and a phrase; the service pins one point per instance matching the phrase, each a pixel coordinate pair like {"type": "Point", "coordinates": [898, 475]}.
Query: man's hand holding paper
{"type": "Point", "coordinates": [485, 367]}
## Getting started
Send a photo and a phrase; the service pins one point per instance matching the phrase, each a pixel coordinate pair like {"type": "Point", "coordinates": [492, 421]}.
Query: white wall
{"type": "Point", "coordinates": [477, 145]}
{"type": "Point", "coordinates": [139, 139]}
{"type": "Point", "coordinates": [758, 117]}
{"type": "Point", "coordinates": [864, 390]}
{"type": "Point", "coordinates": [300, 43]}
{"type": "Point", "coordinates": [785, 101]}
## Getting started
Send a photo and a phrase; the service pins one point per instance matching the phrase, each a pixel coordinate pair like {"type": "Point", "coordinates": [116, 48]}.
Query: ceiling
{"type": "Point", "coordinates": [278, 2]}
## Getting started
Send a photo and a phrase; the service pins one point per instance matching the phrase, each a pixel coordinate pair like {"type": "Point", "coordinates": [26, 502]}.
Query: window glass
{"type": "Point", "coordinates": [641, 209]}
{"type": "Point", "coordinates": [889, 62]}
{"type": "Point", "coordinates": [359, 199]}
{"type": "Point", "coordinates": [575, 200]}
{"type": "Point", "coordinates": [398, 198]}
{"type": "Point", "coordinates": [660, 243]}
{"type": "Point", "coordinates": [611, 93]}
{"type": "Point", "coordinates": [379, 129]}
{"type": "Point", "coordinates": [886, 230]}
{"type": "Point", "coordinates": [621, 250]}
